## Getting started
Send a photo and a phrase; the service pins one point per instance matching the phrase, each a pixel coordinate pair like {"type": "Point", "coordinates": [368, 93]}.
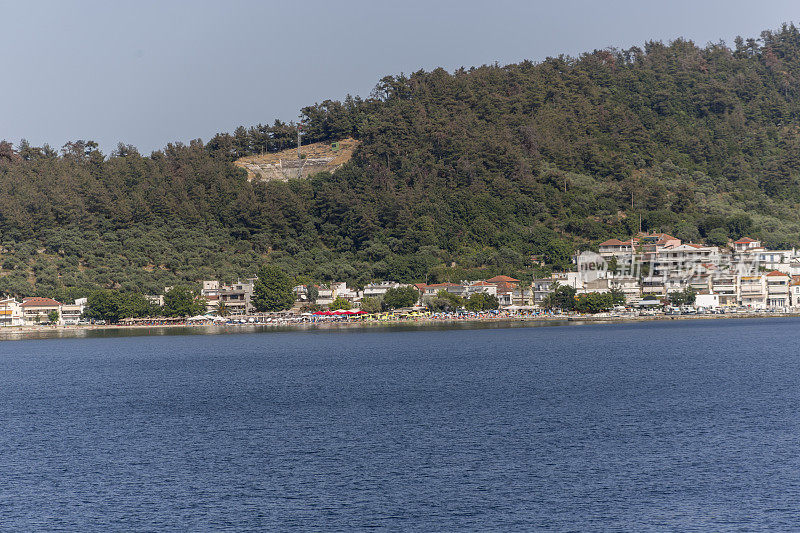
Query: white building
{"type": "Point", "coordinates": [778, 289]}
{"type": "Point", "coordinates": [71, 313]}
{"type": "Point", "coordinates": [378, 289]}
{"type": "Point", "coordinates": [11, 313]}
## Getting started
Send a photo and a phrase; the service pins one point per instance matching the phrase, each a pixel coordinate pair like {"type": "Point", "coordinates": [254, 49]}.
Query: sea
{"type": "Point", "coordinates": [679, 426]}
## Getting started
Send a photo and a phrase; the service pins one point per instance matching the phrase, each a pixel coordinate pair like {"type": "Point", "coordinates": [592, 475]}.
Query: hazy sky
{"type": "Point", "coordinates": [150, 72]}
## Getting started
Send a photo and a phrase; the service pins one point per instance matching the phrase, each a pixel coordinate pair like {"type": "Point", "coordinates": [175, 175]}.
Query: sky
{"type": "Point", "coordinates": [151, 72]}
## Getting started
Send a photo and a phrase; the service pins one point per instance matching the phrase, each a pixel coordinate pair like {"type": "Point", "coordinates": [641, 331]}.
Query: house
{"type": "Point", "coordinates": [778, 289]}
{"type": "Point", "coordinates": [377, 290]}
{"type": "Point", "coordinates": [71, 313]}
{"type": "Point", "coordinates": [336, 289]}
{"type": "Point", "coordinates": [300, 293]}
{"type": "Point", "coordinates": [753, 291]}
{"type": "Point", "coordinates": [210, 291]}
{"type": "Point", "coordinates": [572, 279]}
{"type": "Point", "coordinates": [726, 286]}
{"type": "Point", "coordinates": [542, 288]}
{"type": "Point", "coordinates": [36, 310]}
{"type": "Point", "coordinates": [794, 291]}
{"type": "Point", "coordinates": [617, 248]}
{"type": "Point", "coordinates": [597, 285]}
{"type": "Point", "coordinates": [746, 244]}
{"type": "Point", "coordinates": [480, 287]}
{"type": "Point", "coordinates": [629, 286]}
{"type": "Point", "coordinates": [11, 313]}
{"type": "Point", "coordinates": [238, 296]}
{"type": "Point", "coordinates": [503, 279]}
{"type": "Point", "coordinates": [776, 259]}
{"type": "Point", "coordinates": [654, 242]}
{"type": "Point", "coordinates": [434, 288]}
{"type": "Point", "coordinates": [709, 301]}
{"type": "Point", "coordinates": [155, 299]}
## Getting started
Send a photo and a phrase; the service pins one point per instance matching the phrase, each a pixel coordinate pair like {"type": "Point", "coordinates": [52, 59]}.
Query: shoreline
{"type": "Point", "coordinates": [113, 330]}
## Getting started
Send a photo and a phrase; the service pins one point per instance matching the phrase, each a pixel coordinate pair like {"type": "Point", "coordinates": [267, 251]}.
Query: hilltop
{"type": "Point", "coordinates": [456, 176]}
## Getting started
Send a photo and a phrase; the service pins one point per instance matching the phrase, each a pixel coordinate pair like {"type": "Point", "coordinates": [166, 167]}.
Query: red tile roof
{"type": "Point", "coordinates": [777, 273]}
{"type": "Point", "coordinates": [617, 242]}
{"type": "Point", "coordinates": [36, 301]}
{"type": "Point", "coordinates": [502, 279]}
{"type": "Point", "coordinates": [745, 240]}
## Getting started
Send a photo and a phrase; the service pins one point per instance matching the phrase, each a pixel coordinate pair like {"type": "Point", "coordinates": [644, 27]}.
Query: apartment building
{"type": "Point", "coordinates": [36, 310]}
{"type": "Point", "coordinates": [753, 291]}
{"type": "Point", "coordinates": [11, 313]}
{"type": "Point", "coordinates": [778, 289]}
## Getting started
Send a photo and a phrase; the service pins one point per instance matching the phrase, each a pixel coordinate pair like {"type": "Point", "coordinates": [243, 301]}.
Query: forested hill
{"type": "Point", "coordinates": [482, 168]}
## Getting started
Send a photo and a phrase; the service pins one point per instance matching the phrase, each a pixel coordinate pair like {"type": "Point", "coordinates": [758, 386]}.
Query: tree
{"type": "Point", "coordinates": [339, 303]}
{"type": "Point", "coordinates": [717, 237]}
{"type": "Point", "coordinates": [562, 297]}
{"type": "Point", "coordinates": [112, 306]}
{"type": "Point", "coordinates": [482, 301]}
{"type": "Point", "coordinates": [273, 290]}
{"type": "Point", "coordinates": [396, 298]}
{"type": "Point", "coordinates": [312, 292]}
{"type": "Point", "coordinates": [371, 305]}
{"type": "Point", "coordinates": [617, 297]}
{"type": "Point", "coordinates": [222, 309]}
{"type": "Point", "coordinates": [685, 297]}
{"type": "Point", "coordinates": [53, 316]}
{"type": "Point", "coordinates": [613, 264]}
{"type": "Point", "coordinates": [594, 302]}
{"type": "Point", "coordinates": [101, 305]}
{"type": "Point", "coordinates": [444, 301]}
{"type": "Point", "coordinates": [183, 301]}
{"type": "Point", "coordinates": [557, 253]}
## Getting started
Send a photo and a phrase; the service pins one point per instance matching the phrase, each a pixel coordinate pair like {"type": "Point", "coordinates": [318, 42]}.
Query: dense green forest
{"type": "Point", "coordinates": [458, 175]}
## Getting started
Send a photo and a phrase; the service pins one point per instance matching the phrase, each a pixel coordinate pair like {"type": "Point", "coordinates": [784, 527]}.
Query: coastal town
{"type": "Point", "coordinates": [643, 273]}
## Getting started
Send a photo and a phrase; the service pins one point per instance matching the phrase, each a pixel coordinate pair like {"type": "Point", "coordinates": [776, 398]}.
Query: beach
{"type": "Point", "coordinates": [337, 323]}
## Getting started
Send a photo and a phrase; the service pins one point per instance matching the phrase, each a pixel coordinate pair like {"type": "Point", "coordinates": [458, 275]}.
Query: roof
{"type": "Point", "coordinates": [660, 238]}
{"type": "Point", "coordinates": [777, 273]}
{"type": "Point", "coordinates": [745, 240]}
{"type": "Point", "coordinates": [617, 242]}
{"type": "Point", "coordinates": [502, 279]}
{"type": "Point", "coordinates": [36, 301]}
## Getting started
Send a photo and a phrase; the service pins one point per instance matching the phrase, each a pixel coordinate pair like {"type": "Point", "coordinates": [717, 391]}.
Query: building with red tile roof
{"type": "Point", "coordinates": [778, 289]}
{"type": "Point", "coordinates": [502, 279]}
{"type": "Point", "coordinates": [35, 310]}
{"type": "Point", "coordinates": [746, 243]}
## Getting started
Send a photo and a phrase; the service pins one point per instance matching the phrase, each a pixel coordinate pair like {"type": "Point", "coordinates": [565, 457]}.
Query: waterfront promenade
{"type": "Point", "coordinates": [437, 321]}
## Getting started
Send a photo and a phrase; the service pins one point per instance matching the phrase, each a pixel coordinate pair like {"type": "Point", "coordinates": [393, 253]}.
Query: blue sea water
{"type": "Point", "coordinates": [687, 426]}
